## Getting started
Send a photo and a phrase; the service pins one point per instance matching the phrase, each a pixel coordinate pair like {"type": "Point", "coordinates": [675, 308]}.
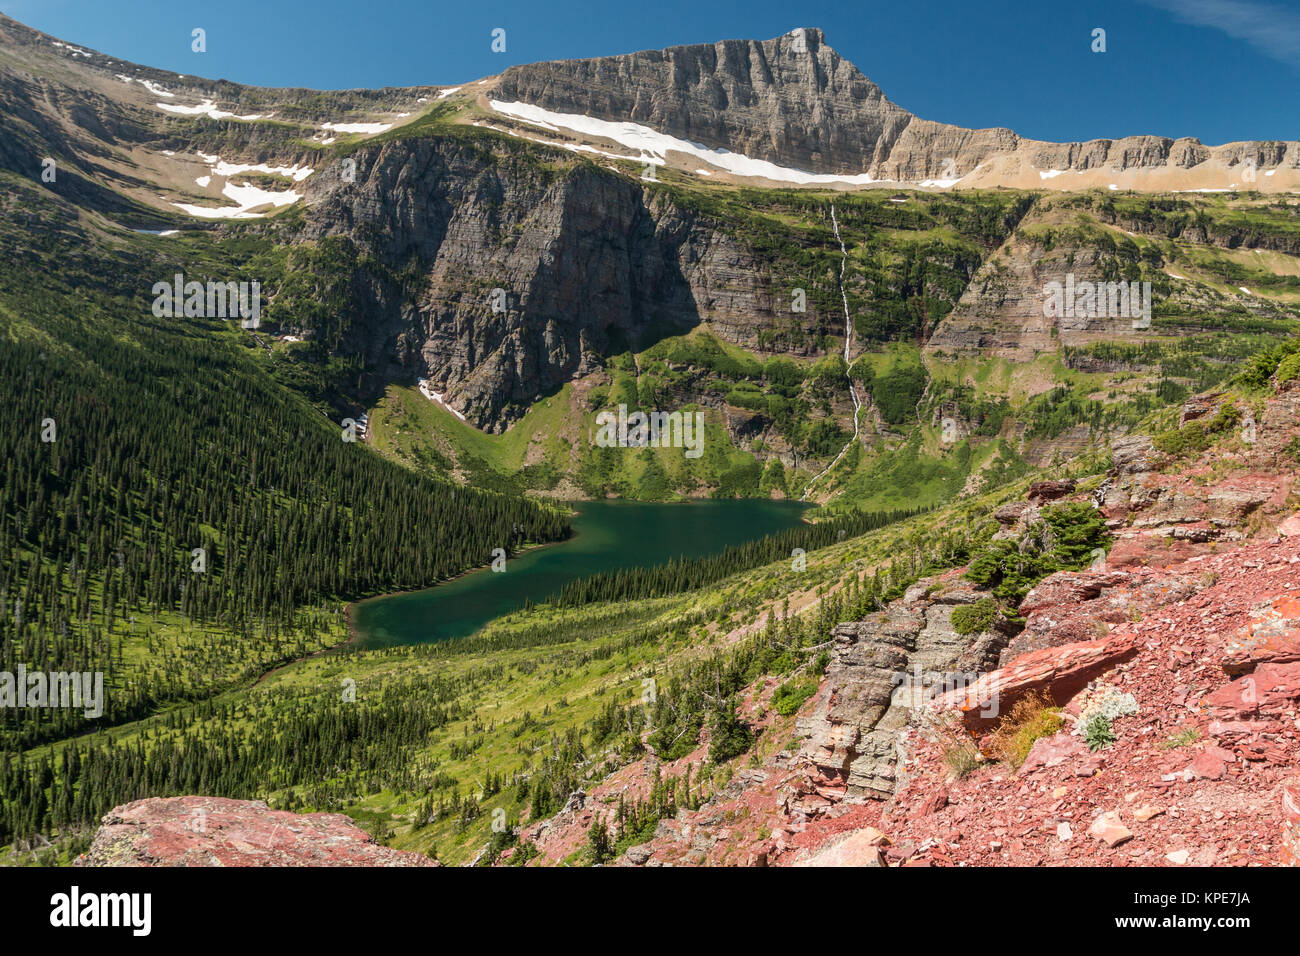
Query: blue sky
{"type": "Point", "coordinates": [1220, 70]}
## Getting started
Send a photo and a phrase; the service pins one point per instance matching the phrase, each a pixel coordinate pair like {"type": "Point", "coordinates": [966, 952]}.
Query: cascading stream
{"type": "Point", "coordinates": [848, 339]}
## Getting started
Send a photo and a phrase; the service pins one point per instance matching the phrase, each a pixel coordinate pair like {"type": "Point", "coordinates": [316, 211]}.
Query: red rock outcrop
{"type": "Point", "coordinates": [1060, 672]}
{"type": "Point", "coordinates": [213, 831]}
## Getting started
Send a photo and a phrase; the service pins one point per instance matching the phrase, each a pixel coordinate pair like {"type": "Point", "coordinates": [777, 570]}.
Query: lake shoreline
{"type": "Point", "coordinates": [355, 635]}
{"type": "Point", "coordinates": [627, 535]}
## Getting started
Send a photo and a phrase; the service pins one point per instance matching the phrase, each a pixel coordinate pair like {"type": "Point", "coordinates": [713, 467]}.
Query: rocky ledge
{"type": "Point", "coordinates": [213, 831]}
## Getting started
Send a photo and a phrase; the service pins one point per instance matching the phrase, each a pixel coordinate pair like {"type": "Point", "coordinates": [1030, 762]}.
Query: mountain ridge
{"type": "Point", "coordinates": [792, 101]}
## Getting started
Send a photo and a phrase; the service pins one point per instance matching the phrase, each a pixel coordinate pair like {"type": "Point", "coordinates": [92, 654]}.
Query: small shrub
{"type": "Point", "coordinates": [1097, 732]}
{"type": "Point", "coordinates": [600, 845]}
{"type": "Point", "coordinates": [957, 749]}
{"type": "Point", "coordinates": [961, 758]}
{"type": "Point", "coordinates": [1181, 442]}
{"type": "Point", "coordinates": [1262, 366]}
{"type": "Point", "coordinates": [974, 618]}
{"type": "Point", "coordinates": [1108, 701]}
{"type": "Point", "coordinates": [1030, 718]}
{"type": "Point", "coordinates": [1288, 370]}
{"type": "Point", "coordinates": [790, 696]}
{"type": "Point", "coordinates": [729, 736]}
{"type": "Point", "coordinates": [1184, 738]}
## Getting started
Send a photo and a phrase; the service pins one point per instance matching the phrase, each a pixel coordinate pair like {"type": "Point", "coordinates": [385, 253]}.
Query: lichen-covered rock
{"type": "Point", "coordinates": [1132, 455]}
{"type": "Point", "coordinates": [881, 670]}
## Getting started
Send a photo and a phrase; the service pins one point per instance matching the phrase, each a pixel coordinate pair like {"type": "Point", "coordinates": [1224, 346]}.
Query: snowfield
{"type": "Point", "coordinates": [246, 198]}
{"type": "Point", "coordinates": [656, 146]}
{"type": "Point", "coordinates": [208, 108]}
{"type": "Point", "coordinates": [149, 85]}
{"type": "Point", "coordinates": [296, 173]}
{"type": "Point", "coordinates": [357, 127]}
{"type": "Point", "coordinates": [427, 391]}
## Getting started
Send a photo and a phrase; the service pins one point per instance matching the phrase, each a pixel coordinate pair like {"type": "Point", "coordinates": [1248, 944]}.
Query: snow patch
{"type": "Point", "coordinates": [149, 85]}
{"type": "Point", "coordinates": [443, 94]}
{"type": "Point", "coordinates": [1049, 173]}
{"type": "Point", "coordinates": [357, 127]}
{"type": "Point", "coordinates": [427, 391]}
{"type": "Point", "coordinates": [577, 147]}
{"type": "Point", "coordinates": [653, 145]}
{"type": "Point", "coordinates": [296, 173]}
{"type": "Point", "coordinates": [245, 198]}
{"type": "Point", "coordinates": [208, 108]}
{"type": "Point", "coordinates": [76, 51]}
{"type": "Point", "coordinates": [939, 183]}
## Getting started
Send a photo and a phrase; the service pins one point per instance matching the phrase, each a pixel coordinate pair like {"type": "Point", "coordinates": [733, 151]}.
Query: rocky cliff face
{"type": "Point", "coordinates": [794, 101]}
{"type": "Point", "coordinates": [791, 100]}
{"type": "Point", "coordinates": [530, 269]}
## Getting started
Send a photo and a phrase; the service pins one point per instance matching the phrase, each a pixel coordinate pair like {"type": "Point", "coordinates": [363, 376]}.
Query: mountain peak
{"type": "Point", "coordinates": [791, 99]}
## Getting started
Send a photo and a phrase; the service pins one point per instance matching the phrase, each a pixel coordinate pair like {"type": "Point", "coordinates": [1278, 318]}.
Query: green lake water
{"type": "Point", "coordinates": [608, 535]}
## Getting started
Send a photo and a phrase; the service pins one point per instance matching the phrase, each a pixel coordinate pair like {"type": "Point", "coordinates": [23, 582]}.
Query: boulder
{"type": "Point", "coordinates": [637, 855]}
{"type": "Point", "coordinates": [214, 831]}
{"type": "Point", "coordinates": [1059, 671]}
{"type": "Point", "coordinates": [1271, 637]}
{"type": "Point", "coordinates": [1041, 491]}
{"type": "Point", "coordinates": [1197, 407]}
{"type": "Point", "coordinates": [1207, 765]}
{"type": "Point", "coordinates": [1110, 830]}
{"type": "Point", "coordinates": [1132, 455]}
{"type": "Point", "coordinates": [1270, 689]}
{"type": "Point", "coordinates": [863, 847]}
{"type": "Point", "coordinates": [1069, 587]}
{"type": "Point", "coordinates": [1052, 751]}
